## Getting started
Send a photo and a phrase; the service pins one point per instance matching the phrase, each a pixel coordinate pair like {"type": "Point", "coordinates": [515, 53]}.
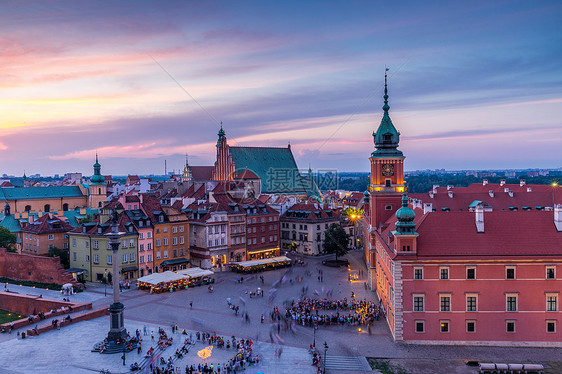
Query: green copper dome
{"type": "Point", "coordinates": [97, 178]}
{"type": "Point", "coordinates": [405, 217]}
{"type": "Point", "coordinates": [366, 197]}
{"type": "Point", "coordinates": [386, 137]}
{"type": "Point", "coordinates": [221, 135]}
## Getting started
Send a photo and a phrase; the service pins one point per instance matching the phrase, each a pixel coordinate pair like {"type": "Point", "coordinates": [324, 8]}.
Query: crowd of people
{"type": "Point", "coordinates": [307, 312]}
{"type": "Point", "coordinates": [243, 355]}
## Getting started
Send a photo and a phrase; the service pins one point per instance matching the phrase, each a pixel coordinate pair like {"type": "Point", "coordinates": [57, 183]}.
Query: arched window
{"type": "Point", "coordinates": [47, 208]}
{"type": "Point", "coordinates": [28, 208]}
{"type": "Point", "coordinates": [99, 191]}
{"type": "Point", "coordinates": [65, 207]}
{"type": "Point", "coordinates": [99, 204]}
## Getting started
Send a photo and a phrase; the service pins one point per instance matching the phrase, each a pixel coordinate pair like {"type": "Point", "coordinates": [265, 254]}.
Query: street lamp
{"type": "Point", "coordinates": [314, 328]}
{"type": "Point", "coordinates": [325, 352]}
{"type": "Point", "coordinates": [105, 282]}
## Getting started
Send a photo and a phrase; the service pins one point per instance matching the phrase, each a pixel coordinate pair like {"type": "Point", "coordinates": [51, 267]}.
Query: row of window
{"type": "Point", "coordinates": [253, 229]}
{"type": "Point", "coordinates": [164, 241]}
{"type": "Point", "coordinates": [550, 272]}
{"type": "Point", "coordinates": [470, 326]}
{"type": "Point", "coordinates": [165, 253]}
{"type": "Point", "coordinates": [254, 240]}
{"type": "Point", "coordinates": [511, 303]}
{"type": "Point", "coordinates": [285, 225]}
{"type": "Point", "coordinates": [255, 220]}
{"type": "Point", "coordinates": [149, 234]}
{"type": "Point", "coordinates": [149, 259]}
{"type": "Point", "coordinates": [125, 258]}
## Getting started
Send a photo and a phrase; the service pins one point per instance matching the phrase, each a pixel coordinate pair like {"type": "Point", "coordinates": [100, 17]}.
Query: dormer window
{"type": "Point", "coordinates": [387, 138]}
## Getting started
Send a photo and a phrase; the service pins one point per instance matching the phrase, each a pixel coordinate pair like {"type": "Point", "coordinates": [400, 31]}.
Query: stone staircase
{"type": "Point", "coordinates": [346, 364]}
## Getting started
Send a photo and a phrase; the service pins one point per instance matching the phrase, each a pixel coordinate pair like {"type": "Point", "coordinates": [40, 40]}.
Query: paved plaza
{"type": "Point", "coordinates": [68, 350]}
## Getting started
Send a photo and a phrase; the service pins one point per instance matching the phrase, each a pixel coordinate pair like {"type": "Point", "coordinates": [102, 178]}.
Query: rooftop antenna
{"type": "Point", "coordinates": [165, 168]}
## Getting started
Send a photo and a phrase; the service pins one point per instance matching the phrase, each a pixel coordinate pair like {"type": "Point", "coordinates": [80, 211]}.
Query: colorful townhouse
{"type": "Point", "coordinates": [263, 231]}
{"type": "Point", "coordinates": [304, 225]}
{"type": "Point", "coordinates": [45, 233]}
{"type": "Point", "coordinates": [90, 249]}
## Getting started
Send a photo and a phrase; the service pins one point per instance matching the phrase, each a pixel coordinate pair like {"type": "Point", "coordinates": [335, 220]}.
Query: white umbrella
{"type": "Point", "coordinates": [67, 285]}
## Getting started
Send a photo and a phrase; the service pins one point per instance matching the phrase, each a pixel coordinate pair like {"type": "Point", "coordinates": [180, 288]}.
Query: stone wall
{"type": "Point", "coordinates": [34, 268]}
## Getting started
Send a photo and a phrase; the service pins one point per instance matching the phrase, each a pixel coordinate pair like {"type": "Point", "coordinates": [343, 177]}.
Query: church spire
{"type": "Point", "coordinates": [222, 136]}
{"type": "Point", "coordinates": [386, 137]}
{"type": "Point", "coordinates": [97, 178]}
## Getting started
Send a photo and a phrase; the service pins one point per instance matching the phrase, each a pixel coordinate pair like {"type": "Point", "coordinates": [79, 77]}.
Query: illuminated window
{"type": "Point", "coordinates": [444, 325]}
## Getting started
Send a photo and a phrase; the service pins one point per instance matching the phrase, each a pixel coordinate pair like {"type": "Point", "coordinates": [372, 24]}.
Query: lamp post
{"type": "Point", "coordinates": [325, 352]}
{"type": "Point", "coordinates": [105, 283]}
{"type": "Point", "coordinates": [314, 328]}
{"type": "Point", "coordinates": [117, 329]}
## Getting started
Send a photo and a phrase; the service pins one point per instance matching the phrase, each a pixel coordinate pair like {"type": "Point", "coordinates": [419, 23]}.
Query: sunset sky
{"type": "Point", "coordinates": [472, 85]}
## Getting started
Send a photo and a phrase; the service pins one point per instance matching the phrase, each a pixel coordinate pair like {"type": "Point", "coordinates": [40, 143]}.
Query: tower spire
{"type": "Point", "coordinates": [385, 107]}
{"type": "Point", "coordinates": [386, 137]}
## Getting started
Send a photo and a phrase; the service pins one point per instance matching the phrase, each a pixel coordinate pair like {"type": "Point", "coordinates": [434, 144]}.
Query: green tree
{"type": "Point", "coordinates": [7, 239]}
{"type": "Point", "coordinates": [336, 240]}
{"type": "Point", "coordinates": [62, 254]}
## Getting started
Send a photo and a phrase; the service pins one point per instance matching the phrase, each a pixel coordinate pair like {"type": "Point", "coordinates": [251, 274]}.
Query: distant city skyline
{"type": "Point", "coordinates": [472, 85]}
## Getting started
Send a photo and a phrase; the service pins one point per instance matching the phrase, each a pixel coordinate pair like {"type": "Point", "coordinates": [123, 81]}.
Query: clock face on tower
{"type": "Point", "coordinates": [388, 170]}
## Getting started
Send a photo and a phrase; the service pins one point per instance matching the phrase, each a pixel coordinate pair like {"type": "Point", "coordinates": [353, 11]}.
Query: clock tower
{"type": "Point", "coordinates": [387, 169]}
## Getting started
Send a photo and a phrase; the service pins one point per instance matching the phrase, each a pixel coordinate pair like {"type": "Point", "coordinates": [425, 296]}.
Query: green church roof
{"type": "Point", "coordinates": [276, 167]}
{"type": "Point", "coordinates": [10, 222]}
{"type": "Point", "coordinates": [22, 193]}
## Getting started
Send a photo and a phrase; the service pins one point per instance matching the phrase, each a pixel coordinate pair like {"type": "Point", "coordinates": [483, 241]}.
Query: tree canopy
{"type": "Point", "coordinates": [62, 254]}
{"type": "Point", "coordinates": [7, 239]}
{"type": "Point", "coordinates": [336, 240]}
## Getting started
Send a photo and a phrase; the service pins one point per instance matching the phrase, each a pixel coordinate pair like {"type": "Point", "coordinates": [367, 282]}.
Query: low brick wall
{"type": "Point", "coordinates": [81, 317]}
{"type": "Point", "coordinates": [34, 268]}
{"type": "Point", "coordinates": [27, 305]}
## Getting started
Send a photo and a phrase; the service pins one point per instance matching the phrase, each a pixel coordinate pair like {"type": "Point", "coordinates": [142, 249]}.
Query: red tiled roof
{"type": "Point", "coordinates": [177, 205]}
{"type": "Point", "coordinates": [539, 195]}
{"type": "Point", "coordinates": [506, 234]}
{"type": "Point", "coordinates": [247, 174]}
{"type": "Point", "coordinates": [517, 233]}
{"type": "Point", "coordinates": [202, 173]}
{"type": "Point", "coordinates": [46, 224]}
{"type": "Point", "coordinates": [310, 212]}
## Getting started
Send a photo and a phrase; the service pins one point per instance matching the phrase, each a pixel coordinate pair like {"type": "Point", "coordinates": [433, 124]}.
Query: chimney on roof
{"type": "Point", "coordinates": [435, 188]}
{"type": "Point", "coordinates": [431, 194]}
{"type": "Point", "coordinates": [529, 189]}
{"type": "Point", "coordinates": [558, 217]}
{"type": "Point", "coordinates": [521, 182]}
{"type": "Point", "coordinates": [450, 194]}
{"type": "Point", "coordinates": [506, 189]}
{"type": "Point", "coordinates": [479, 218]}
{"type": "Point", "coordinates": [449, 187]}
{"type": "Point", "coordinates": [491, 193]}
{"type": "Point", "coordinates": [484, 182]}
{"type": "Point", "coordinates": [510, 193]}
{"type": "Point", "coordinates": [427, 208]}
{"type": "Point", "coordinates": [502, 182]}
{"type": "Point", "coordinates": [31, 218]}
